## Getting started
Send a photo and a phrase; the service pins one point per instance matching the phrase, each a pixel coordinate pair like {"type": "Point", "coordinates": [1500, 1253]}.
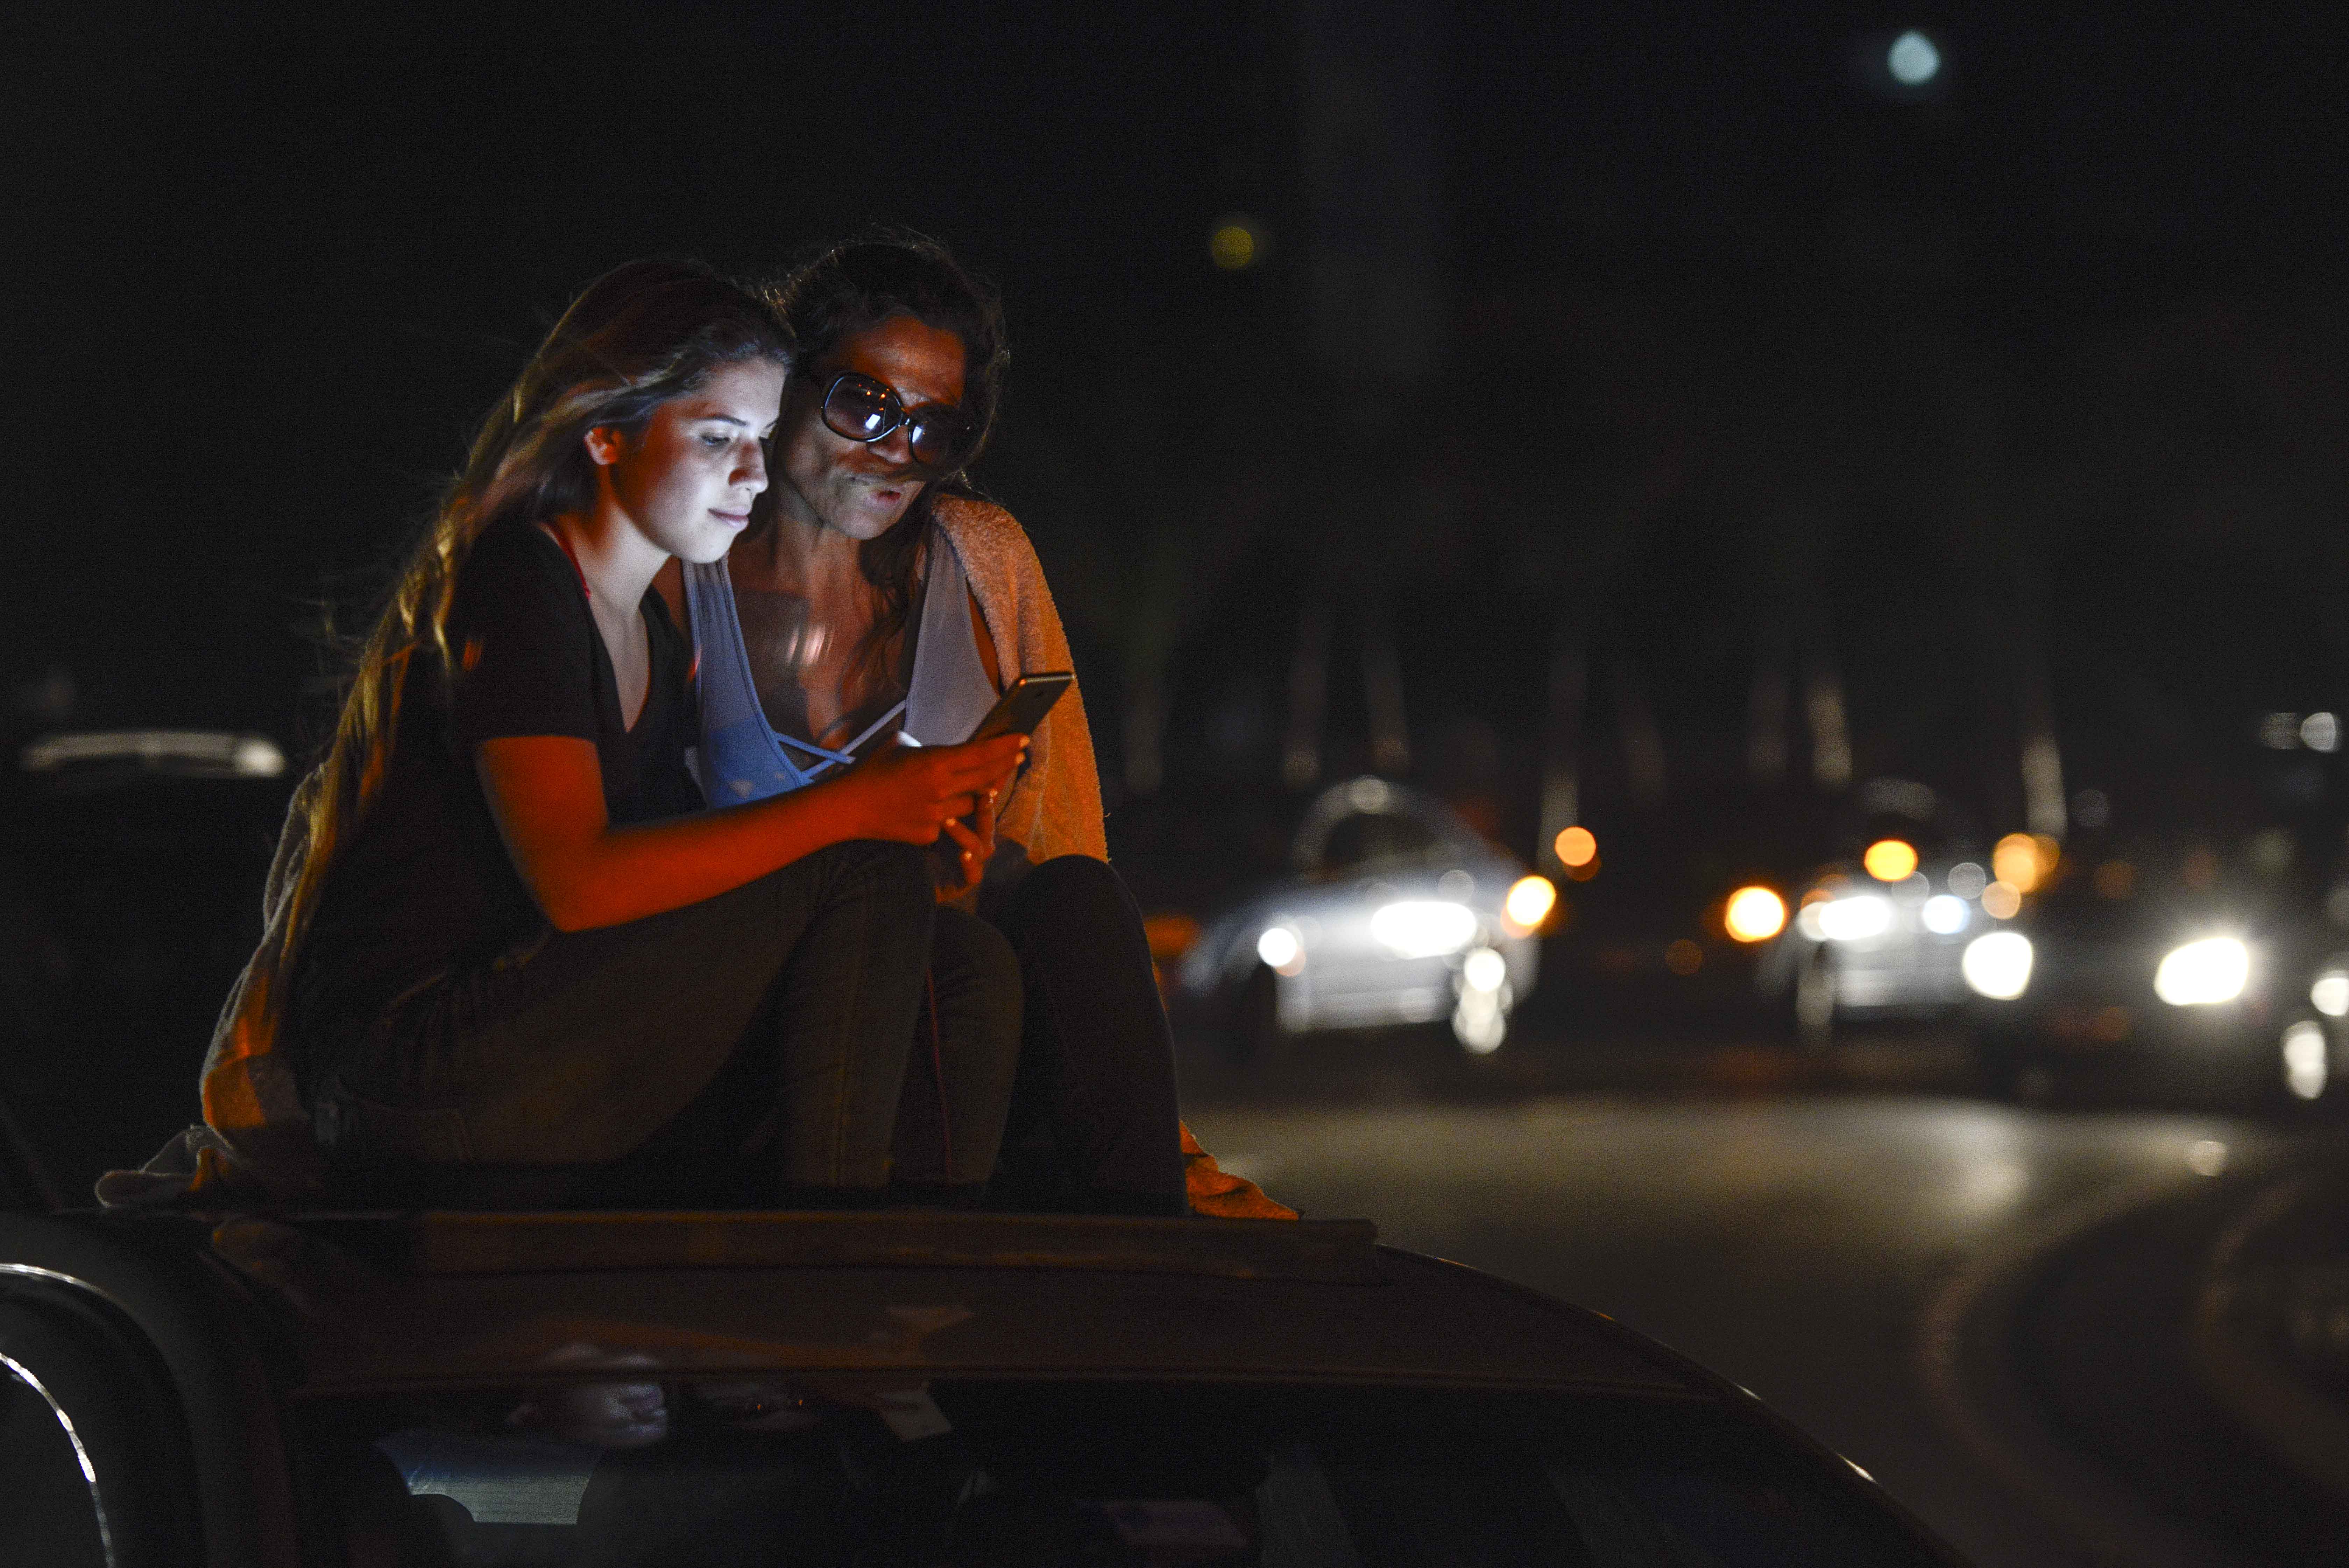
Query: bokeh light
{"type": "Point", "coordinates": [1855, 920]}
{"type": "Point", "coordinates": [1890, 859]}
{"type": "Point", "coordinates": [1280, 949]}
{"type": "Point", "coordinates": [1945, 914]}
{"type": "Point", "coordinates": [2306, 1061]}
{"type": "Point", "coordinates": [1575, 847]}
{"type": "Point", "coordinates": [1914, 59]}
{"type": "Point", "coordinates": [1998, 965]}
{"type": "Point", "coordinates": [2001, 900]}
{"type": "Point", "coordinates": [1234, 245]}
{"type": "Point", "coordinates": [1529, 902]}
{"type": "Point", "coordinates": [1423, 928]}
{"type": "Point", "coordinates": [2329, 994]}
{"type": "Point", "coordinates": [1754, 915]}
{"type": "Point", "coordinates": [2019, 861]}
{"type": "Point", "coordinates": [2203, 973]}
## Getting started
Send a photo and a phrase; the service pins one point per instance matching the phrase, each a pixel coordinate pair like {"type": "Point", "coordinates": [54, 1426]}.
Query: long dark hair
{"type": "Point", "coordinates": [856, 286]}
{"type": "Point", "coordinates": [643, 333]}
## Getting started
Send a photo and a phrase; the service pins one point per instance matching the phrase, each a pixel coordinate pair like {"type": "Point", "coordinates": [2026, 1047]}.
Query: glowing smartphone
{"type": "Point", "coordinates": [1023, 705]}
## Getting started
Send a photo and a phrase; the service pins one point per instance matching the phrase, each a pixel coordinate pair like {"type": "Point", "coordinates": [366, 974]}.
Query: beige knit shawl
{"type": "Point", "coordinates": [1055, 805]}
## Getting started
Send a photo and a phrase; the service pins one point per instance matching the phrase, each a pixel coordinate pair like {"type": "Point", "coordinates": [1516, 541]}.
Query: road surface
{"type": "Point", "coordinates": [1822, 1249]}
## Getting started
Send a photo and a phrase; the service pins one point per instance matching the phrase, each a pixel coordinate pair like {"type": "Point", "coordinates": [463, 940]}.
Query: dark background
{"type": "Point", "coordinates": [1680, 338]}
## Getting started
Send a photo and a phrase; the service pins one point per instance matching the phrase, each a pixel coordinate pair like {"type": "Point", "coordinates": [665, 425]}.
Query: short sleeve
{"type": "Point", "coordinates": [523, 644]}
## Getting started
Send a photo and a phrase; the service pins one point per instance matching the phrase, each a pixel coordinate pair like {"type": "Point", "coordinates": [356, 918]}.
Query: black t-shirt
{"type": "Point", "coordinates": [425, 882]}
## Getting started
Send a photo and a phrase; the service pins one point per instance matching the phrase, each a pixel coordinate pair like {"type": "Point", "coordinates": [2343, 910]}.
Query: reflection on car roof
{"type": "Point", "coordinates": [382, 1304]}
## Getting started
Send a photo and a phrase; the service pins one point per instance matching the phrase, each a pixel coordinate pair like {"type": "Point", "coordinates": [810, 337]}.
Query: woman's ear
{"type": "Point", "coordinates": [604, 444]}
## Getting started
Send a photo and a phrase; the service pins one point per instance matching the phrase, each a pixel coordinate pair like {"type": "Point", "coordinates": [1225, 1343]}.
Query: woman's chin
{"type": "Point", "coordinates": [871, 514]}
{"type": "Point", "coordinates": [707, 544]}
{"type": "Point", "coordinates": [707, 547]}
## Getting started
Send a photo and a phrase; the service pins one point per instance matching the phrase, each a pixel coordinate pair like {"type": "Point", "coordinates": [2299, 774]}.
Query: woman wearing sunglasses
{"type": "Point", "coordinates": [511, 959]}
{"type": "Point", "coordinates": [877, 593]}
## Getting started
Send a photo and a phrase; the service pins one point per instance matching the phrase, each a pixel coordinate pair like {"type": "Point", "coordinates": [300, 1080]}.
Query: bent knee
{"type": "Point", "coordinates": [1077, 885]}
{"type": "Point", "coordinates": [898, 870]}
{"type": "Point", "coordinates": [977, 955]}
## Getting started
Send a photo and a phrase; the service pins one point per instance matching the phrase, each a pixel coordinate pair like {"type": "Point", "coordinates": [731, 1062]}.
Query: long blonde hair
{"type": "Point", "coordinates": [643, 333]}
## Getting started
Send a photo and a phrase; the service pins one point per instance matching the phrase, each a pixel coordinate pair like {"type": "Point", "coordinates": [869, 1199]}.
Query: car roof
{"type": "Point", "coordinates": [388, 1303]}
{"type": "Point", "coordinates": [1372, 796]}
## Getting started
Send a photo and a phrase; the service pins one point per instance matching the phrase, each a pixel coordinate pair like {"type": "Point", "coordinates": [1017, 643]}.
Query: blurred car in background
{"type": "Point", "coordinates": [2201, 946]}
{"type": "Point", "coordinates": [132, 863]}
{"type": "Point", "coordinates": [2177, 962]}
{"type": "Point", "coordinates": [1716, 903]}
{"type": "Point", "coordinates": [1398, 913]}
{"type": "Point", "coordinates": [1667, 908]}
{"type": "Point", "coordinates": [1886, 939]}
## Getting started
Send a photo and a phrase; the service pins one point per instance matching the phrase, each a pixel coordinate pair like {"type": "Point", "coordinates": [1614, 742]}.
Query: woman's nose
{"type": "Point", "coordinates": [751, 473]}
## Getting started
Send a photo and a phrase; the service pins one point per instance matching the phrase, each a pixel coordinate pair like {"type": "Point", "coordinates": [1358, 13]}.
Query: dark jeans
{"type": "Point", "coordinates": [966, 1046]}
{"type": "Point", "coordinates": [1094, 1124]}
{"type": "Point", "coordinates": [762, 1034]}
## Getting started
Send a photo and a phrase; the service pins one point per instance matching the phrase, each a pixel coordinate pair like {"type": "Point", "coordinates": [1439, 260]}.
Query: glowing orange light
{"type": "Point", "coordinates": [1529, 902]}
{"type": "Point", "coordinates": [2022, 862]}
{"type": "Point", "coordinates": [2001, 900]}
{"type": "Point", "coordinates": [1754, 915]}
{"type": "Point", "coordinates": [1577, 847]}
{"type": "Point", "coordinates": [1890, 860]}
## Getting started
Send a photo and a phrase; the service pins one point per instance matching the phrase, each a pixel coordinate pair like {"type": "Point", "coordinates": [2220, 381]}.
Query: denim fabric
{"type": "Point", "coordinates": [781, 1012]}
{"type": "Point", "coordinates": [1092, 1125]}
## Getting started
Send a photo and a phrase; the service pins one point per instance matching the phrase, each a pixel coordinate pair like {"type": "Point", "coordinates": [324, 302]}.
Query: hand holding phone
{"type": "Point", "coordinates": [1023, 704]}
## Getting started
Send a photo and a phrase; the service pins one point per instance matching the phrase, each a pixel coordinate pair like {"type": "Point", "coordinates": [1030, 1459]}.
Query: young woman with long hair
{"type": "Point", "coordinates": [506, 940]}
{"type": "Point", "coordinates": [877, 588]}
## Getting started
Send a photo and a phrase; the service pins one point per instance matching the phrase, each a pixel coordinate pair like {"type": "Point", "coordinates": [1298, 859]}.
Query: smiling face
{"type": "Point", "coordinates": [686, 481]}
{"type": "Point", "coordinates": [857, 488]}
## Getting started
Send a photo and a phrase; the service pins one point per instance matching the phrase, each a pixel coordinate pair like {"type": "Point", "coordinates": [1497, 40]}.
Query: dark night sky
{"type": "Point", "coordinates": [267, 267]}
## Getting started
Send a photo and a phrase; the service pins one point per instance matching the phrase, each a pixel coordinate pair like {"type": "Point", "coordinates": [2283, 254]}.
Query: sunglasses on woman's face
{"type": "Point", "coordinates": [858, 407]}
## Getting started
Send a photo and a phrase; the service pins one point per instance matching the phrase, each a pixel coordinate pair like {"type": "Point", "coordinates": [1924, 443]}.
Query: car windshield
{"type": "Point", "coordinates": [1074, 1472]}
{"type": "Point", "coordinates": [1371, 837]}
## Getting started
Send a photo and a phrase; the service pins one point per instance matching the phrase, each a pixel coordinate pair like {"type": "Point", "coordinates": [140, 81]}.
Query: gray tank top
{"type": "Point", "coordinates": [744, 758]}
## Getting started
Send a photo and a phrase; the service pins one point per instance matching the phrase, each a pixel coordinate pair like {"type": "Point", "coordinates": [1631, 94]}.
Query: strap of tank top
{"type": "Point", "coordinates": [742, 759]}
{"type": "Point", "coordinates": [847, 753]}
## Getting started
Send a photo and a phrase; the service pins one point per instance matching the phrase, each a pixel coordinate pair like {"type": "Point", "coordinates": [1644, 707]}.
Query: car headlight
{"type": "Point", "coordinates": [1997, 964]}
{"type": "Point", "coordinates": [1854, 920]}
{"type": "Point", "coordinates": [1280, 949]}
{"type": "Point", "coordinates": [2201, 973]}
{"type": "Point", "coordinates": [1423, 928]}
{"type": "Point", "coordinates": [2329, 994]}
{"type": "Point", "coordinates": [1944, 914]}
{"type": "Point", "coordinates": [2307, 1059]}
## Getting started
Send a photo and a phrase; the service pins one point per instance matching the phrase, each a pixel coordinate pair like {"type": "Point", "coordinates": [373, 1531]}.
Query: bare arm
{"type": "Point", "coordinates": [546, 793]}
